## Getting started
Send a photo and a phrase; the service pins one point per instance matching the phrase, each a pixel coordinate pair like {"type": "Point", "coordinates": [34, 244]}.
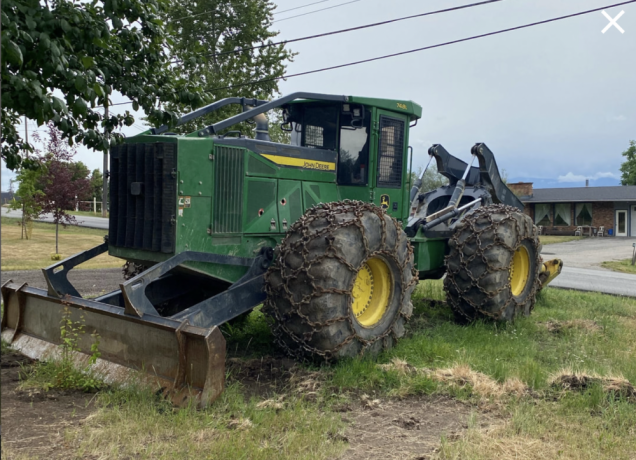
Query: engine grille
{"type": "Point", "coordinates": [228, 190]}
{"type": "Point", "coordinates": [143, 196]}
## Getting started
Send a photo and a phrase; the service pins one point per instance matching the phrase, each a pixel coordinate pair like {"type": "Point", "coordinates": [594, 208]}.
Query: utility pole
{"type": "Point", "coordinates": [23, 232]}
{"type": "Point", "coordinates": [105, 168]}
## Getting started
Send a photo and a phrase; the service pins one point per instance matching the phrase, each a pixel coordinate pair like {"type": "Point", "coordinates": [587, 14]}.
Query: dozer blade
{"type": "Point", "coordinates": [550, 270]}
{"type": "Point", "coordinates": [184, 362]}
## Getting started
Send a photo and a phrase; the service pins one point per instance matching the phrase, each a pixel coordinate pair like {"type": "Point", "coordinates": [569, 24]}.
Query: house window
{"type": "Point", "coordinates": [562, 214]}
{"type": "Point", "coordinates": [583, 214]}
{"type": "Point", "coordinates": [542, 214]}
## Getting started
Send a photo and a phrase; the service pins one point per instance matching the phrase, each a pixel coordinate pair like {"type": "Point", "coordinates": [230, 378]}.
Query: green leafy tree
{"type": "Point", "coordinates": [628, 168]}
{"type": "Point", "coordinates": [213, 41]}
{"type": "Point", "coordinates": [62, 59]}
{"type": "Point", "coordinates": [79, 170]}
{"type": "Point", "coordinates": [30, 196]}
{"type": "Point", "coordinates": [432, 178]}
{"type": "Point", "coordinates": [97, 184]}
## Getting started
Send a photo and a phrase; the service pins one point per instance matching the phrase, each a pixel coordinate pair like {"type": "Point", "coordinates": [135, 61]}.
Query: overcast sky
{"type": "Point", "coordinates": [556, 103]}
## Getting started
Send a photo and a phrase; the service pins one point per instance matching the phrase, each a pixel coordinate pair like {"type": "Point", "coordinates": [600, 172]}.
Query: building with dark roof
{"type": "Point", "coordinates": [562, 210]}
{"type": "Point", "coordinates": [6, 197]}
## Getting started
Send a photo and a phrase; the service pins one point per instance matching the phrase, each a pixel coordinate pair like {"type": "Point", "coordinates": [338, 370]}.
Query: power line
{"type": "Point", "coordinates": [351, 29]}
{"type": "Point", "coordinates": [277, 12]}
{"type": "Point", "coordinates": [316, 11]}
{"type": "Point", "coordinates": [386, 56]}
{"type": "Point", "coordinates": [299, 7]}
{"type": "Point", "coordinates": [439, 45]}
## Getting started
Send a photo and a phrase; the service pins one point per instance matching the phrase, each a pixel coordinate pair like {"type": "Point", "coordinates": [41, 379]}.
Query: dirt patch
{"type": "Point", "coordinates": [33, 421]}
{"type": "Point", "coordinates": [402, 429]}
{"type": "Point", "coordinates": [269, 375]}
{"type": "Point", "coordinates": [586, 325]}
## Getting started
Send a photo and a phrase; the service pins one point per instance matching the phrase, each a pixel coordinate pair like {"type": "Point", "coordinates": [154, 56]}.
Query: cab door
{"type": "Point", "coordinates": [391, 168]}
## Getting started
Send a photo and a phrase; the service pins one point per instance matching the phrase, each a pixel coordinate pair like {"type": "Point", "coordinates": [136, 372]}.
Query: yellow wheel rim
{"type": "Point", "coordinates": [519, 270]}
{"type": "Point", "coordinates": [371, 292]}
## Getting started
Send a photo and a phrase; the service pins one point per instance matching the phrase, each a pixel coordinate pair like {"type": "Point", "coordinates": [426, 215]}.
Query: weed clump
{"type": "Point", "coordinates": [63, 372]}
{"type": "Point", "coordinates": [567, 379]}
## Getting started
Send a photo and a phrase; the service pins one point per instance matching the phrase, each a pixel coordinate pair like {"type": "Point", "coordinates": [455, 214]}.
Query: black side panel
{"type": "Point", "coordinates": [148, 196]}
{"type": "Point", "coordinates": [156, 202]}
{"type": "Point", "coordinates": [168, 198]}
{"type": "Point", "coordinates": [114, 185]}
{"type": "Point", "coordinates": [143, 196]}
{"type": "Point", "coordinates": [131, 221]}
{"type": "Point", "coordinates": [139, 199]}
{"type": "Point", "coordinates": [121, 198]}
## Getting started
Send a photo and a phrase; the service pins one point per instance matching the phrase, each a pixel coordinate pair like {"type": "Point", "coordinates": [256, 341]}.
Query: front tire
{"type": "Point", "coordinates": [493, 266]}
{"type": "Point", "coordinates": [341, 283]}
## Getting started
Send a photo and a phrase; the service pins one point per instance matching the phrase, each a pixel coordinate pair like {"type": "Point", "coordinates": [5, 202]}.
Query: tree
{"type": "Point", "coordinates": [628, 168]}
{"type": "Point", "coordinates": [30, 198]}
{"type": "Point", "coordinates": [97, 184]}
{"type": "Point", "coordinates": [60, 191]}
{"type": "Point", "coordinates": [85, 51]}
{"type": "Point", "coordinates": [432, 178]}
{"type": "Point", "coordinates": [504, 175]}
{"type": "Point", "coordinates": [79, 170]}
{"type": "Point", "coordinates": [213, 41]}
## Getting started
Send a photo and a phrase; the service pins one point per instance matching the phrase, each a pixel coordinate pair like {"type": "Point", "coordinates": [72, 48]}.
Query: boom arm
{"type": "Point", "coordinates": [452, 167]}
{"type": "Point", "coordinates": [487, 174]}
{"type": "Point", "coordinates": [490, 178]}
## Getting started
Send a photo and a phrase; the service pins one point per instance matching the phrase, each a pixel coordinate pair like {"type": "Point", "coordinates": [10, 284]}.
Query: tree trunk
{"type": "Point", "coordinates": [23, 232]}
{"type": "Point", "coordinates": [57, 225]}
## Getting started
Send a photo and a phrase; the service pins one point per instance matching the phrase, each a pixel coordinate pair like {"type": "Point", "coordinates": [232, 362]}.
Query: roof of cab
{"type": "Point", "coordinates": [410, 108]}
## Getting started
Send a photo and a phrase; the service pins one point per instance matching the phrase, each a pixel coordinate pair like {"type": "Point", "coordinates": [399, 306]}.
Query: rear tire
{"type": "Point", "coordinates": [493, 266]}
{"type": "Point", "coordinates": [341, 283]}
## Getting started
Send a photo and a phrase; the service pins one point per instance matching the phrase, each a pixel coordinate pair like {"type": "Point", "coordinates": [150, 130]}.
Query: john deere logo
{"type": "Point", "coordinates": [384, 201]}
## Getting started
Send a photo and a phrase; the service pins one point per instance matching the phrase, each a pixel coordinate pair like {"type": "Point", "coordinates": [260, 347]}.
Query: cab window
{"type": "Point", "coordinates": [353, 151]}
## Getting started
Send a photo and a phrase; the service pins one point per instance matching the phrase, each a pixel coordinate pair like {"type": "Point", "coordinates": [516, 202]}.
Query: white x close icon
{"type": "Point", "coordinates": [612, 22]}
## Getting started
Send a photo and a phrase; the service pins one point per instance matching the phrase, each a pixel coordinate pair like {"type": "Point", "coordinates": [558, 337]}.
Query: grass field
{"type": "Point", "coordinates": [504, 371]}
{"type": "Point", "coordinates": [624, 266]}
{"type": "Point", "coordinates": [87, 213]}
{"type": "Point", "coordinates": [551, 239]}
{"type": "Point", "coordinates": [33, 254]}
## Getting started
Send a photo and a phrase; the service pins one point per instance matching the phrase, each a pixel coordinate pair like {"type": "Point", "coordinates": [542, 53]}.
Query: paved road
{"type": "Point", "coordinates": [83, 221]}
{"type": "Point", "coordinates": [582, 265]}
{"type": "Point", "coordinates": [590, 252]}
{"type": "Point", "coordinates": [87, 282]}
{"type": "Point", "coordinates": [586, 279]}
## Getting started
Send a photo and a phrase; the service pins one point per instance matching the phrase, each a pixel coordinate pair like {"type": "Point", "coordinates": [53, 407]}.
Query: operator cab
{"type": "Point", "coordinates": [343, 128]}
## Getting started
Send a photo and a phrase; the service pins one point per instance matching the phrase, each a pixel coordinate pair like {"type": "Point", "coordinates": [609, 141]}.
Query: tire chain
{"type": "Point", "coordinates": [329, 212]}
{"type": "Point", "coordinates": [488, 212]}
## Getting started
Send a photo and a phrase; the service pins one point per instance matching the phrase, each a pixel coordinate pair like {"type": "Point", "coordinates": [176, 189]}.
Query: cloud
{"type": "Point", "coordinates": [570, 177]}
{"type": "Point", "coordinates": [619, 118]}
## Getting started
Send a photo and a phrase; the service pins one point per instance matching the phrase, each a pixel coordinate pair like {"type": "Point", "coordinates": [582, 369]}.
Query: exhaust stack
{"type": "Point", "coordinates": [262, 127]}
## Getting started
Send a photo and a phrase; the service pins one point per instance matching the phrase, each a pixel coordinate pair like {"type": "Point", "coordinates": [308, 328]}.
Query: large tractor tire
{"type": "Point", "coordinates": [341, 283]}
{"type": "Point", "coordinates": [493, 266]}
